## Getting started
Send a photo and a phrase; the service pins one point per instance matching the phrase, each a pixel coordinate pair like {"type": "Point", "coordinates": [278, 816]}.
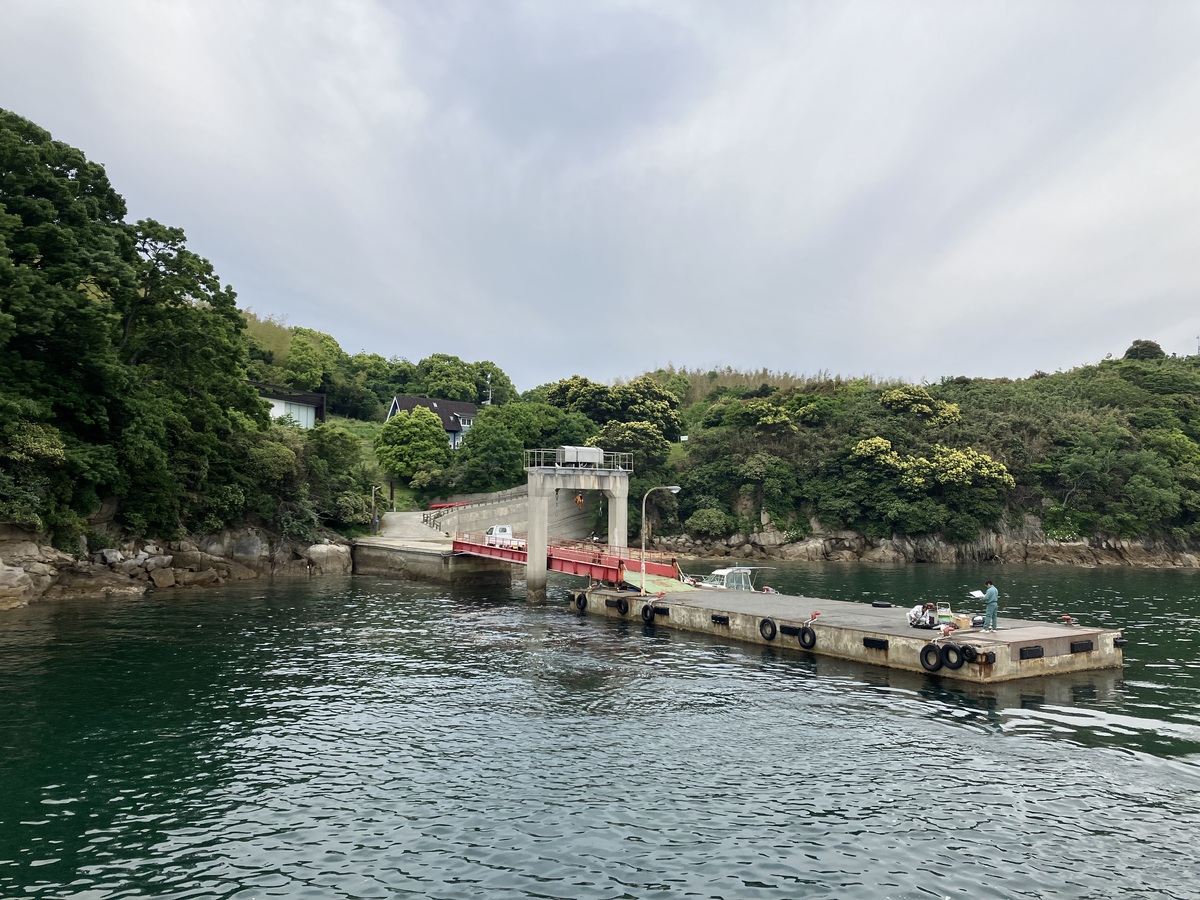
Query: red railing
{"type": "Point", "coordinates": [595, 560]}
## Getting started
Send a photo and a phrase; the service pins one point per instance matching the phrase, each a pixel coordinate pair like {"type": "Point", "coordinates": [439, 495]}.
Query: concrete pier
{"type": "Point", "coordinates": [870, 634]}
{"type": "Point", "coordinates": [407, 548]}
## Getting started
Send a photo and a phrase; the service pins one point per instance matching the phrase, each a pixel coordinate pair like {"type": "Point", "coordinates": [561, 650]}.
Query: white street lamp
{"type": "Point", "coordinates": [674, 489]}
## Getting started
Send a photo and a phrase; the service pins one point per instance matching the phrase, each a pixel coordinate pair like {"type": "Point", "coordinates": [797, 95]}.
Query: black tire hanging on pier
{"type": "Point", "coordinates": [931, 658]}
{"type": "Point", "coordinates": [987, 658]}
{"type": "Point", "coordinates": [767, 629]}
{"type": "Point", "coordinates": [807, 638]}
{"type": "Point", "coordinates": [952, 656]}
{"type": "Point", "coordinates": [970, 654]}
{"type": "Point", "coordinates": [622, 606]}
{"type": "Point", "coordinates": [647, 613]}
{"type": "Point", "coordinates": [581, 601]}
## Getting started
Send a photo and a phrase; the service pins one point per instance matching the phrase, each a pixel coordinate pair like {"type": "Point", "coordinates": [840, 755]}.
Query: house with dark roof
{"type": "Point", "coordinates": [456, 415]}
{"type": "Point", "coordinates": [305, 407]}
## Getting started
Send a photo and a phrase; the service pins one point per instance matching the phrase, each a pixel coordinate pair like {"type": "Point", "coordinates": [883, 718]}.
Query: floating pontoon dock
{"type": "Point", "coordinates": [879, 635]}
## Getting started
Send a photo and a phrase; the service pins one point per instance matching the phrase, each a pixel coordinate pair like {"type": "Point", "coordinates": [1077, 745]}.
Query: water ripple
{"type": "Point", "coordinates": [376, 739]}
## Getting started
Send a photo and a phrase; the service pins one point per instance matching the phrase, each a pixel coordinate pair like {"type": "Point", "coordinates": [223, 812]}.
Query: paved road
{"type": "Point", "coordinates": [405, 529]}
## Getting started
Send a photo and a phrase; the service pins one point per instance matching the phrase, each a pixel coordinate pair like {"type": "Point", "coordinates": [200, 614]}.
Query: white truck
{"type": "Point", "coordinates": [502, 536]}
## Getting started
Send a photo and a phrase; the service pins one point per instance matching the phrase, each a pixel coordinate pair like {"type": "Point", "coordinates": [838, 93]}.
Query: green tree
{"type": "Point", "coordinates": [32, 454]}
{"type": "Point", "coordinates": [645, 400]}
{"type": "Point", "coordinates": [539, 425]}
{"type": "Point", "coordinates": [313, 359]}
{"type": "Point", "coordinates": [581, 395]}
{"type": "Point", "coordinates": [760, 414]}
{"type": "Point", "coordinates": [446, 377]}
{"type": "Point", "coordinates": [1143, 349]}
{"type": "Point", "coordinates": [491, 457]}
{"type": "Point", "coordinates": [412, 442]}
{"type": "Point", "coordinates": [708, 522]}
{"type": "Point", "coordinates": [643, 439]}
{"type": "Point", "coordinates": [65, 257]}
{"type": "Point", "coordinates": [491, 382]}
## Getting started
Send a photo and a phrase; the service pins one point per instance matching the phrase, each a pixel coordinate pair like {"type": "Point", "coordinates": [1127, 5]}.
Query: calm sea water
{"type": "Point", "coordinates": [369, 738]}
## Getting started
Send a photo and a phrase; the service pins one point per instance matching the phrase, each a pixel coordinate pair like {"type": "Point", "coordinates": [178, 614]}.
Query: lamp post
{"type": "Point", "coordinates": [374, 518]}
{"type": "Point", "coordinates": [674, 489]}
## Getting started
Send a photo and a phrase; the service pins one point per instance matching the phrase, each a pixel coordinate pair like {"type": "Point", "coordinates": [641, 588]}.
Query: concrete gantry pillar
{"type": "Point", "coordinates": [544, 480]}
{"type": "Point", "coordinates": [537, 537]}
{"type": "Point", "coordinates": [618, 513]}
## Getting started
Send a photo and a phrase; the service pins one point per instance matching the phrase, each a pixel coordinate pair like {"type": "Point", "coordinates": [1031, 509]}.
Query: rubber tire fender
{"type": "Point", "coordinates": [931, 658]}
{"type": "Point", "coordinates": [952, 656]}
{"type": "Point", "coordinates": [767, 629]}
{"type": "Point", "coordinates": [807, 638]}
{"type": "Point", "coordinates": [581, 601]}
{"type": "Point", "coordinates": [623, 606]}
{"type": "Point", "coordinates": [970, 654]}
{"type": "Point", "coordinates": [647, 613]}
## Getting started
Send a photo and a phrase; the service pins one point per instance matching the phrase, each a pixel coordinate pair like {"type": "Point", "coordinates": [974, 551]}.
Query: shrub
{"type": "Point", "coordinates": [98, 540]}
{"type": "Point", "coordinates": [708, 522]}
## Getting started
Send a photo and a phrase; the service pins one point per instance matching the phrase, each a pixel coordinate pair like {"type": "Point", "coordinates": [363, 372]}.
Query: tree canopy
{"type": "Point", "coordinates": [413, 441]}
{"type": "Point", "coordinates": [123, 361]}
{"type": "Point", "coordinates": [125, 367]}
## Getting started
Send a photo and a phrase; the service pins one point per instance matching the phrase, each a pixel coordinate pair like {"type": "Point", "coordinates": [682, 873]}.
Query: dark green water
{"type": "Point", "coordinates": [371, 738]}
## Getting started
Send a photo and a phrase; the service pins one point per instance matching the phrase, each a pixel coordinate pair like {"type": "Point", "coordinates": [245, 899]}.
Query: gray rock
{"type": "Point", "coordinates": [16, 587]}
{"type": "Point", "coordinates": [14, 553]}
{"type": "Point", "coordinates": [249, 548]}
{"type": "Point", "coordinates": [129, 567]}
{"type": "Point", "coordinates": [93, 582]}
{"type": "Point", "coordinates": [208, 576]}
{"type": "Point", "coordinates": [189, 559]}
{"type": "Point", "coordinates": [163, 578]}
{"type": "Point", "coordinates": [235, 571]}
{"type": "Point", "coordinates": [330, 559]}
{"type": "Point", "coordinates": [157, 562]}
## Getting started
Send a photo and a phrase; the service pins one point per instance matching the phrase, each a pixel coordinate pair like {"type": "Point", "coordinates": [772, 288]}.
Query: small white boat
{"type": "Point", "coordinates": [733, 578]}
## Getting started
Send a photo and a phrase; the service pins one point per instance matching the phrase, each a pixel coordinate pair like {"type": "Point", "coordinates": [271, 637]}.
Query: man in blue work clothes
{"type": "Point", "coordinates": [992, 598]}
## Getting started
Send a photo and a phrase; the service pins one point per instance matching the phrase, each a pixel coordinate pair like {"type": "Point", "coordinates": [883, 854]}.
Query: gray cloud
{"type": "Point", "coordinates": [906, 190]}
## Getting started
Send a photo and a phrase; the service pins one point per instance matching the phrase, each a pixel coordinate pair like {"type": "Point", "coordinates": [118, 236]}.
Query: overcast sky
{"type": "Point", "coordinates": [899, 189]}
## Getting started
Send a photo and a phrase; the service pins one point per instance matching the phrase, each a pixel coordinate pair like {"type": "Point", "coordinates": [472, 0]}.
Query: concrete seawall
{"type": "Point", "coordinates": [407, 548]}
{"type": "Point", "coordinates": [428, 564]}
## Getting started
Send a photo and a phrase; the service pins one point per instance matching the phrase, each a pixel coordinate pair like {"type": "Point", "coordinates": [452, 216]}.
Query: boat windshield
{"type": "Point", "coordinates": [729, 579]}
{"type": "Point", "coordinates": [739, 580]}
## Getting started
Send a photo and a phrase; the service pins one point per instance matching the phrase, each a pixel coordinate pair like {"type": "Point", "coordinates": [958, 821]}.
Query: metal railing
{"type": "Point", "coordinates": [433, 516]}
{"type": "Point", "coordinates": [549, 459]}
{"type": "Point", "coordinates": [570, 548]}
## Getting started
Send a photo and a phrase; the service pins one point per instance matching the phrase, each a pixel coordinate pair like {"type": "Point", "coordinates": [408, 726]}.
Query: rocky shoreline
{"type": "Point", "coordinates": [1025, 544]}
{"type": "Point", "coordinates": [31, 570]}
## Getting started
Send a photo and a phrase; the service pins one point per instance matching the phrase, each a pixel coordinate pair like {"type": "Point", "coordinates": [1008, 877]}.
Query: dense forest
{"type": "Point", "coordinates": [128, 393]}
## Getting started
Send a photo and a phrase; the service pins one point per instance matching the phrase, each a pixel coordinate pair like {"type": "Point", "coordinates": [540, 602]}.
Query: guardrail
{"type": "Point", "coordinates": [570, 548]}
{"type": "Point", "coordinates": [548, 459]}
{"type": "Point", "coordinates": [434, 515]}
{"type": "Point", "coordinates": [566, 547]}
